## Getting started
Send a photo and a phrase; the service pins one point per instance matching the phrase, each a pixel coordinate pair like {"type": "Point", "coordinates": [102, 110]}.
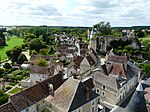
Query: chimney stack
{"type": "Point", "coordinates": [51, 89]}
{"type": "Point", "coordinates": [87, 93]}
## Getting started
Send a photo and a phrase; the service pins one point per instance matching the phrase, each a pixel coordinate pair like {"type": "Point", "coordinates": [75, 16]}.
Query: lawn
{"type": "Point", "coordinates": [15, 90]}
{"type": "Point", "coordinates": [14, 41]}
{"type": "Point", "coordinates": [145, 39]}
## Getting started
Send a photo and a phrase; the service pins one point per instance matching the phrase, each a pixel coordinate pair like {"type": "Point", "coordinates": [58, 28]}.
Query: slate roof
{"type": "Point", "coordinates": [33, 94]}
{"type": "Point", "coordinates": [137, 102]}
{"type": "Point", "coordinates": [71, 95]}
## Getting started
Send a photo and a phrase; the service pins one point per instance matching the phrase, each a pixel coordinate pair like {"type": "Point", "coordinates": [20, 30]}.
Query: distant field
{"type": "Point", "coordinates": [146, 38]}
{"type": "Point", "coordinates": [14, 41]}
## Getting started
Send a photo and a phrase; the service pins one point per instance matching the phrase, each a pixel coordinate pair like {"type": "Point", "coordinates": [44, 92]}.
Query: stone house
{"type": "Point", "coordinates": [33, 98]}
{"type": "Point", "coordinates": [137, 102]}
{"type": "Point", "coordinates": [73, 96]}
{"type": "Point", "coordinates": [115, 82]}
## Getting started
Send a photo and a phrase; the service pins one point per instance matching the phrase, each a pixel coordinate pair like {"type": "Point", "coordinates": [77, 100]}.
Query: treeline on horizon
{"type": "Point", "coordinates": [119, 27]}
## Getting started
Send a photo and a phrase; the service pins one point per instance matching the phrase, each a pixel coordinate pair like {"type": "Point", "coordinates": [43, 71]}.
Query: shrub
{"type": "Point", "coordinates": [18, 72]}
{"type": "Point", "coordinates": [3, 97]}
{"type": "Point", "coordinates": [41, 62]}
{"type": "Point", "coordinates": [21, 59]}
{"type": "Point", "coordinates": [12, 84]}
{"type": "Point", "coordinates": [7, 66]}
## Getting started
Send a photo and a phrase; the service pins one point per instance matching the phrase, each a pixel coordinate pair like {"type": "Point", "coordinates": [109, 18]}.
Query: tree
{"type": "Point", "coordinates": [29, 36]}
{"type": "Point", "coordinates": [146, 69]}
{"type": "Point", "coordinates": [9, 53]}
{"type": "Point", "coordinates": [1, 71]}
{"type": "Point", "coordinates": [140, 34]}
{"type": "Point", "coordinates": [114, 44]}
{"type": "Point", "coordinates": [42, 62]}
{"type": "Point", "coordinates": [2, 39]}
{"type": "Point", "coordinates": [33, 52]}
{"type": "Point", "coordinates": [16, 51]}
{"type": "Point", "coordinates": [43, 51]}
{"type": "Point", "coordinates": [51, 50]}
{"type": "Point", "coordinates": [36, 44]}
{"type": "Point", "coordinates": [103, 28]}
{"type": "Point", "coordinates": [7, 66]}
{"type": "Point", "coordinates": [3, 97]}
{"type": "Point", "coordinates": [21, 59]}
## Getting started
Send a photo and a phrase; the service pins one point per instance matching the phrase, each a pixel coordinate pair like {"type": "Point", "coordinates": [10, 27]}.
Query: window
{"type": "Point", "coordinates": [97, 91]}
{"type": "Point", "coordinates": [79, 110]}
{"type": "Point", "coordinates": [93, 109]}
{"type": "Point", "coordinates": [27, 110]}
{"type": "Point", "coordinates": [93, 103]}
{"type": "Point", "coordinates": [103, 93]}
{"type": "Point", "coordinates": [103, 87]}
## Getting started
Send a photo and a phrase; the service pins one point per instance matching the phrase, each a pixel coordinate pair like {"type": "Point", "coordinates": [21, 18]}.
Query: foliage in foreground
{"type": "Point", "coordinates": [3, 97]}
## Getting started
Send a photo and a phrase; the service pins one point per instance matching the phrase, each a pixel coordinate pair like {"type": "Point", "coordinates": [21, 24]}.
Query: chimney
{"type": "Point", "coordinates": [51, 89]}
{"type": "Point", "coordinates": [20, 87]}
{"type": "Point", "coordinates": [87, 93]}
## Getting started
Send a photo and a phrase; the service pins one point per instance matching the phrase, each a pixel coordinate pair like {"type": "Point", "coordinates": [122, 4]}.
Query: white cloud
{"type": "Point", "coordinates": [74, 12]}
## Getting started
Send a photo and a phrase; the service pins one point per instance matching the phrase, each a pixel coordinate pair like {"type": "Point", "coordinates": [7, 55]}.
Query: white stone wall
{"type": "Point", "coordinates": [37, 77]}
{"type": "Point", "coordinates": [70, 71]}
{"type": "Point", "coordinates": [32, 108]}
{"type": "Point", "coordinates": [41, 105]}
{"type": "Point", "coordinates": [126, 88]}
{"type": "Point", "coordinates": [84, 66]}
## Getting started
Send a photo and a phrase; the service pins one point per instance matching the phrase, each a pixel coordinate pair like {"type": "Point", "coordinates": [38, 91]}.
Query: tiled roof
{"type": "Point", "coordinates": [89, 83]}
{"type": "Point", "coordinates": [8, 107]}
{"type": "Point", "coordinates": [40, 70]}
{"type": "Point", "coordinates": [83, 45]}
{"type": "Point", "coordinates": [36, 57]}
{"type": "Point", "coordinates": [117, 59]}
{"type": "Point", "coordinates": [90, 60]}
{"type": "Point", "coordinates": [78, 60]}
{"type": "Point", "coordinates": [35, 93]}
{"type": "Point", "coordinates": [46, 70]}
{"type": "Point", "coordinates": [117, 69]}
{"type": "Point", "coordinates": [71, 95]}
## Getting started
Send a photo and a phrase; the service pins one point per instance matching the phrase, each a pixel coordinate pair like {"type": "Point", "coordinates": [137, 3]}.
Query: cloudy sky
{"type": "Point", "coordinates": [74, 12]}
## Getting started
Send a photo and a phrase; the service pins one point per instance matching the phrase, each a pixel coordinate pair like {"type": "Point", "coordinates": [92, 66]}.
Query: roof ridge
{"type": "Point", "coordinates": [139, 87]}
{"type": "Point", "coordinates": [73, 94]}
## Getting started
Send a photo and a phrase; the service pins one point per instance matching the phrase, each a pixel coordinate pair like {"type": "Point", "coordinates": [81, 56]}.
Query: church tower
{"type": "Point", "coordinates": [93, 43]}
{"type": "Point", "coordinates": [137, 102]}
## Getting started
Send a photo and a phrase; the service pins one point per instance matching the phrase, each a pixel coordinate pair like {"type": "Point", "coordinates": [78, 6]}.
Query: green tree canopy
{"type": "Point", "coordinates": [146, 69]}
{"type": "Point", "coordinates": [3, 97]}
{"type": "Point", "coordinates": [7, 66]}
{"type": "Point", "coordinates": [103, 28]}
{"type": "Point", "coordinates": [36, 44]}
{"type": "Point", "coordinates": [42, 62]}
{"type": "Point", "coordinates": [21, 59]}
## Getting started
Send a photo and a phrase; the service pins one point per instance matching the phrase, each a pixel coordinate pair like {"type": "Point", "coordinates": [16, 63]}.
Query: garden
{"type": "Point", "coordinates": [11, 43]}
